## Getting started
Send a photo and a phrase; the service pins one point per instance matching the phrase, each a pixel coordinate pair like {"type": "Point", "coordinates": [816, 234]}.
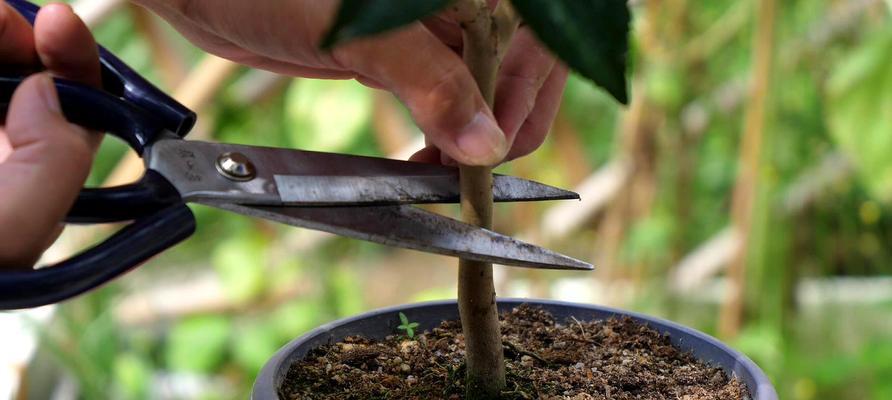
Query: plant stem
{"type": "Point", "coordinates": [485, 36]}
{"type": "Point", "coordinates": [477, 296]}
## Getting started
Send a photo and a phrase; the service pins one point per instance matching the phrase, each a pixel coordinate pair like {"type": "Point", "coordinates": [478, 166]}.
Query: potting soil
{"type": "Point", "coordinates": [615, 359]}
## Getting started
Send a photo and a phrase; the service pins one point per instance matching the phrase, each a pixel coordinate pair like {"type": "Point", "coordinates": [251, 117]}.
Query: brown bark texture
{"type": "Point", "coordinates": [485, 35]}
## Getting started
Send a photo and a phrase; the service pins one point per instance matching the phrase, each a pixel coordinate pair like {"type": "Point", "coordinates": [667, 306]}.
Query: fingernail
{"type": "Point", "coordinates": [481, 141]}
{"type": "Point", "coordinates": [48, 92]}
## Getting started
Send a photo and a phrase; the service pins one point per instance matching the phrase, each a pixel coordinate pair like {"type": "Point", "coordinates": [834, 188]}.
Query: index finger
{"type": "Point", "coordinates": [437, 88]}
{"type": "Point", "coordinates": [16, 38]}
{"type": "Point", "coordinates": [65, 45]}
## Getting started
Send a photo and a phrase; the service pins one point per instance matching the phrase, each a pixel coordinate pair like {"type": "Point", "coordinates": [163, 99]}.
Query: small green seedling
{"type": "Point", "coordinates": [407, 326]}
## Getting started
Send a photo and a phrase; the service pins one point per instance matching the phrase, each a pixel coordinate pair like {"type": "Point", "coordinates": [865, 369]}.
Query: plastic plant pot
{"type": "Point", "coordinates": [380, 323]}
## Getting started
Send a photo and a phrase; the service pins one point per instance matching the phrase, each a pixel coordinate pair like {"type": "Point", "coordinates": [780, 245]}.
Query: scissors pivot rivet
{"type": "Point", "coordinates": [236, 166]}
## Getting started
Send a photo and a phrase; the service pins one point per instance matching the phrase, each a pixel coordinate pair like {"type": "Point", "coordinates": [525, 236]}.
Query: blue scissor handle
{"type": "Point", "coordinates": [122, 81]}
{"type": "Point", "coordinates": [118, 254]}
{"type": "Point", "coordinates": [132, 109]}
{"type": "Point", "coordinates": [97, 110]}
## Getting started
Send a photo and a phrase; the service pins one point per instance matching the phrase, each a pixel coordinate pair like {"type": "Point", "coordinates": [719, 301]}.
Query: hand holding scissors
{"type": "Point", "coordinates": [360, 197]}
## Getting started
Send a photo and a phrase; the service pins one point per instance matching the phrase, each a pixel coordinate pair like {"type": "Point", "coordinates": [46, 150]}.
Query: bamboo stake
{"type": "Point", "coordinates": [711, 256]}
{"type": "Point", "coordinates": [259, 86]}
{"type": "Point", "coordinates": [170, 62]}
{"type": "Point", "coordinates": [634, 200]}
{"type": "Point", "coordinates": [749, 159]}
{"type": "Point", "coordinates": [94, 12]}
{"type": "Point", "coordinates": [203, 83]}
{"type": "Point", "coordinates": [715, 253]}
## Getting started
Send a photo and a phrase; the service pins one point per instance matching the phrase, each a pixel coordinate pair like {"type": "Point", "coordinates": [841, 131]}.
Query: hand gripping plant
{"type": "Point", "coordinates": [589, 36]}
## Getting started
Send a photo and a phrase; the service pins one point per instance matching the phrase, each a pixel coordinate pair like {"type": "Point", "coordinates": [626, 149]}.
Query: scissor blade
{"type": "Point", "coordinates": [413, 228]}
{"type": "Point", "coordinates": [297, 177]}
{"type": "Point", "coordinates": [403, 189]}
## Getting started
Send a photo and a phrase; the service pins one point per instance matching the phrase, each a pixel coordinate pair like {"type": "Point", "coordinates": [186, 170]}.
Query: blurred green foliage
{"type": "Point", "coordinates": [831, 96]}
{"type": "Point", "coordinates": [859, 104]}
{"type": "Point", "coordinates": [327, 115]}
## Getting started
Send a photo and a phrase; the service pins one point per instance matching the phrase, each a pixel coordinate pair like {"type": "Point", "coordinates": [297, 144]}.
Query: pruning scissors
{"type": "Point", "coordinates": [359, 197]}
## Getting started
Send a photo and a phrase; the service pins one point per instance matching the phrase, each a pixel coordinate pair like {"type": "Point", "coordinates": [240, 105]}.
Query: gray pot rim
{"type": "Point", "coordinates": [703, 346]}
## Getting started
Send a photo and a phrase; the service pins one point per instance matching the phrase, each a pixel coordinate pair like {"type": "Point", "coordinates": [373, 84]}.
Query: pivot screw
{"type": "Point", "coordinates": [236, 166]}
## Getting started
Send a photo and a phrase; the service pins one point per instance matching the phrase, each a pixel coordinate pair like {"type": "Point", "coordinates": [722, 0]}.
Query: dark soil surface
{"type": "Point", "coordinates": [614, 359]}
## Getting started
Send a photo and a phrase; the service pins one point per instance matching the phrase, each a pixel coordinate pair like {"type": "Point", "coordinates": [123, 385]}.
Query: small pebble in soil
{"type": "Point", "coordinates": [408, 346]}
{"type": "Point", "coordinates": [616, 359]}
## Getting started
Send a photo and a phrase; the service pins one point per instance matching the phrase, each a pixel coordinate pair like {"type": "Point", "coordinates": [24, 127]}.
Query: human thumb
{"type": "Point", "coordinates": [41, 177]}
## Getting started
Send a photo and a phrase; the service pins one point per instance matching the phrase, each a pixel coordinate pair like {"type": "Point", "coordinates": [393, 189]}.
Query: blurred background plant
{"type": "Point", "coordinates": [745, 192]}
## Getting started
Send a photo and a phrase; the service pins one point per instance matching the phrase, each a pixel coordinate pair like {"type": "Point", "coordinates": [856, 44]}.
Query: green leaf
{"type": "Point", "coordinates": [858, 110]}
{"type": "Point", "coordinates": [404, 319]}
{"type": "Point", "coordinates": [592, 37]}
{"type": "Point", "coordinates": [198, 344]}
{"type": "Point", "coordinates": [358, 18]}
{"type": "Point", "coordinates": [413, 325]}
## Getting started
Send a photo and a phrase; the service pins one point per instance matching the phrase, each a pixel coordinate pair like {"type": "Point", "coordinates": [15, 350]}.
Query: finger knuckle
{"type": "Point", "coordinates": [73, 145]}
{"type": "Point", "coordinates": [449, 97]}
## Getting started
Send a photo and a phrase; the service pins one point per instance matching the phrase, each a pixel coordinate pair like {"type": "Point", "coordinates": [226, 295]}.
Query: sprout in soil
{"type": "Point", "coordinates": [407, 326]}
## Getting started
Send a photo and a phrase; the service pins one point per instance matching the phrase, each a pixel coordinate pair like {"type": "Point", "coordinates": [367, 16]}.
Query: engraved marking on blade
{"type": "Point", "coordinates": [188, 158]}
